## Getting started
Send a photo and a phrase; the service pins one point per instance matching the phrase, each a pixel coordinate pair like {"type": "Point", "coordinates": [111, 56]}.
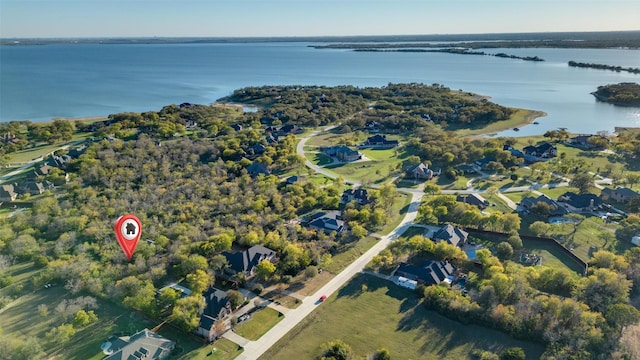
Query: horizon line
{"type": "Point", "coordinates": [305, 36]}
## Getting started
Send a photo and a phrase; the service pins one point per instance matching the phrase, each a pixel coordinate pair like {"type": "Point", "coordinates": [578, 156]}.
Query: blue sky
{"type": "Point", "coordinates": [98, 18]}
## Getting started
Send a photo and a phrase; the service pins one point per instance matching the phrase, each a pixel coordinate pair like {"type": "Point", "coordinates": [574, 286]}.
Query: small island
{"type": "Point", "coordinates": [623, 94]}
{"type": "Point", "coordinates": [604, 67]}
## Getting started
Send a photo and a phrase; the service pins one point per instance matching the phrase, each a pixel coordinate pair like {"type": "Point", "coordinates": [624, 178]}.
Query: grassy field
{"type": "Point", "coordinates": [223, 349]}
{"type": "Point", "coordinates": [518, 196]}
{"type": "Point", "coordinates": [259, 323]}
{"type": "Point", "coordinates": [447, 184]}
{"type": "Point", "coordinates": [382, 165]}
{"type": "Point", "coordinates": [343, 259]}
{"type": "Point", "coordinates": [387, 316]}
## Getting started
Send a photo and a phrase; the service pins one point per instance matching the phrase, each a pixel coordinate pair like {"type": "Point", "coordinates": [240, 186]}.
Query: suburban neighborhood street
{"type": "Point", "coordinates": [254, 349]}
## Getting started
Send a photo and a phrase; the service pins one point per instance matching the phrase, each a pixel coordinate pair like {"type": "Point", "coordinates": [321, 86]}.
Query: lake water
{"type": "Point", "coordinates": [42, 82]}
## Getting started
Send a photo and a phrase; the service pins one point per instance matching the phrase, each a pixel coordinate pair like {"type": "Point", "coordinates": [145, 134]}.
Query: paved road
{"type": "Point", "coordinates": [254, 349]}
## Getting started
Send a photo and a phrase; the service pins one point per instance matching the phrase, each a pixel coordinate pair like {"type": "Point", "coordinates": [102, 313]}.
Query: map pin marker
{"type": "Point", "coordinates": [128, 229]}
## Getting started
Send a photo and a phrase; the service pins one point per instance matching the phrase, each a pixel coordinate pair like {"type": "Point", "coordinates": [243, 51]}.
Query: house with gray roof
{"type": "Point", "coordinates": [527, 203]}
{"type": "Point", "coordinates": [245, 262]}
{"type": "Point", "coordinates": [430, 272]}
{"type": "Point", "coordinates": [580, 203]}
{"type": "Point", "coordinates": [619, 194]}
{"type": "Point", "coordinates": [8, 193]}
{"type": "Point", "coordinates": [327, 221]}
{"type": "Point", "coordinates": [257, 169]}
{"type": "Point", "coordinates": [473, 199]}
{"type": "Point", "coordinates": [359, 195]}
{"type": "Point", "coordinates": [451, 234]}
{"type": "Point", "coordinates": [217, 307]}
{"type": "Point", "coordinates": [145, 345]}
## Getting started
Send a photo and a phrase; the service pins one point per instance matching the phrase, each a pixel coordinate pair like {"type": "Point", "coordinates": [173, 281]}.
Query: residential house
{"type": "Point", "coordinates": [580, 203]}
{"type": "Point", "coordinates": [7, 193]}
{"type": "Point", "coordinates": [473, 199]}
{"type": "Point", "coordinates": [483, 164]}
{"type": "Point", "coordinates": [217, 306]}
{"type": "Point", "coordinates": [342, 153]}
{"type": "Point", "coordinates": [295, 179]}
{"type": "Point", "coordinates": [430, 272]}
{"type": "Point", "coordinates": [583, 142]}
{"type": "Point", "coordinates": [36, 187]}
{"type": "Point", "coordinates": [9, 138]}
{"type": "Point", "coordinates": [451, 234]}
{"type": "Point", "coordinates": [542, 151]}
{"type": "Point", "coordinates": [327, 222]}
{"type": "Point", "coordinates": [145, 345]}
{"type": "Point", "coordinates": [60, 162]}
{"type": "Point", "coordinates": [380, 142]}
{"type": "Point", "coordinates": [76, 152]}
{"type": "Point", "coordinates": [358, 195]}
{"type": "Point", "coordinates": [257, 149]}
{"type": "Point", "coordinates": [245, 262]}
{"type": "Point", "coordinates": [619, 194]}
{"type": "Point", "coordinates": [257, 169]}
{"type": "Point", "coordinates": [527, 203]}
{"type": "Point", "coordinates": [190, 125]}
{"type": "Point", "coordinates": [420, 171]}
{"type": "Point", "coordinates": [236, 127]}
{"type": "Point", "coordinates": [272, 139]}
{"type": "Point", "coordinates": [288, 129]}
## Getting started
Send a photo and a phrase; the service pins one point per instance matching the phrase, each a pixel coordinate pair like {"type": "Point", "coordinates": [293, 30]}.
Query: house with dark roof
{"type": "Point", "coordinates": [473, 199]}
{"type": "Point", "coordinates": [145, 345]}
{"type": "Point", "coordinates": [328, 222]}
{"type": "Point", "coordinates": [527, 203]}
{"type": "Point", "coordinates": [245, 262]}
{"type": "Point", "coordinates": [236, 127]}
{"type": "Point", "coordinates": [288, 129]}
{"type": "Point", "coordinates": [580, 203]}
{"type": "Point", "coordinates": [36, 187]}
{"type": "Point", "coordinates": [272, 139]}
{"type": "Point", "coordinates": [257, 169]}
{"type": "Point", "coordinates": [542, 151]}
{"type": "Point", "coordinates": [420, 171]}
{"type": "Point", "coordinates": [430, 272]}
{"type": "Point", "coordinates": [59, 161]}
{"type": "Point", "coordinates": [483, 164]}
{"type": "Point", "coordinates": [619, 194]}
{"type": "Point", "coordinates": [451, 234]}
{"type": "Point", "coordinates": [257, 149]}
{"type": "Point", "coordinates": [359, 195]}
{"type": "Point", "coordinates": [8, 193]}
{"type": "Point", "coordinates": [583, 142]}
{"type": "Point", "coordinates": [380, 142]}
{"type": "Point", "coordinates": [295, 179]}
{"type": "Point", "coordinates": [76, 152]}
{"type": "Point", "coordinates": [217, 306]}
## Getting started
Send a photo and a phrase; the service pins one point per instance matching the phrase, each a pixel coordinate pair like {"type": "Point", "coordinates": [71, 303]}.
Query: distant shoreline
{"type": "Point", "coordinates": [614, 39]}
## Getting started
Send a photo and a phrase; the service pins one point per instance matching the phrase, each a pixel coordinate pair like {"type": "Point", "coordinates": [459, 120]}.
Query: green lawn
{"type": "Point", "coordinates": [518, 196]}
{"type": "Point", "coordinates": [379, 169]}
{"type": "Point", "coordinates": [223, 349]}
{"type": "Point", "coordinates": [259, 323]}
{"type": "Point", "coordinates": [448, 184]}
{"type": "Point", "coordinates": [319, 158]}
{"type": "Point", "coordinates": [555, 193]}
{"type": "Point", "coordinates": [351, 253]}
{"type": "Point", "coordinates": [551, 255]}
{"type": "Point", "coordinates": [387, 316]}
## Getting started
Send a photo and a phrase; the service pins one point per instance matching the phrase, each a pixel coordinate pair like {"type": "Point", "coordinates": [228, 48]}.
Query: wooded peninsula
{"type": "Point", "coordinates": [623, 94]}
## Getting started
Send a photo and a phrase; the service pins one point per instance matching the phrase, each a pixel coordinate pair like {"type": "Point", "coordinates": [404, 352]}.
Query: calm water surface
{"type": "Point", "coordinates": [42, 82]}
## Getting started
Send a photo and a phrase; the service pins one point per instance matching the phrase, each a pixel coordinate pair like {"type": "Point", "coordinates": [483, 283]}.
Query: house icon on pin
{"type": "Point", "coordinates": [131, 229]}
